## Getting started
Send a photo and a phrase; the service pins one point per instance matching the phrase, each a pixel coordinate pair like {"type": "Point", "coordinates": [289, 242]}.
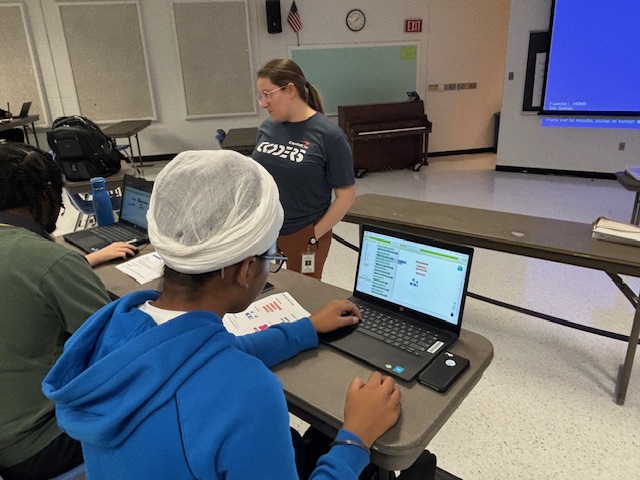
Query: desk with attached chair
{"type": "Point", "coordinates": [315, 381]}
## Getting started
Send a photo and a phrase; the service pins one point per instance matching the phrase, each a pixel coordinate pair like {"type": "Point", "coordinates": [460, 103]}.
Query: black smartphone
{"type": "Point", "coordinates": [443, 371]}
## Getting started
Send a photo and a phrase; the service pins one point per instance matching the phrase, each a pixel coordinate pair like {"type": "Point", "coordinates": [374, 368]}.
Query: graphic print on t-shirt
{"type": "Point", "coordinates": [294, 151]}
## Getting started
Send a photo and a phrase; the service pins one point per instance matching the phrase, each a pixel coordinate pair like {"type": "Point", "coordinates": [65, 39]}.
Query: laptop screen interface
{"type": "Point", "coordinates": [135, 204]}
{"type": "Point", "coordinates": [424, 278]}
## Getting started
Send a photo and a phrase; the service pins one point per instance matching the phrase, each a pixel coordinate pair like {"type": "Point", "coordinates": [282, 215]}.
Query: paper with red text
{"type": "Point", "coordinates": [261, 314]}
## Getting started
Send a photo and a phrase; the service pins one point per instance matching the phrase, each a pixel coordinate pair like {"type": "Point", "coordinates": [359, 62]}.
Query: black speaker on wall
{"type": "Point", "coordinates": [274, 19]}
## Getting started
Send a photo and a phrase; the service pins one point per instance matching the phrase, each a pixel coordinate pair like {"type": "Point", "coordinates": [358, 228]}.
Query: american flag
{"type": "Point", "coordinates": [294, 17]}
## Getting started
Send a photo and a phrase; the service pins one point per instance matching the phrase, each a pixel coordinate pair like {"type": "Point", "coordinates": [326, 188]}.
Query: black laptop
{"type": "Point", "coordinates": [132, 223]}
{"type": "Point", "coordinates": [411, 292]}
{"type": "Point", "coordinates": [24, 111]}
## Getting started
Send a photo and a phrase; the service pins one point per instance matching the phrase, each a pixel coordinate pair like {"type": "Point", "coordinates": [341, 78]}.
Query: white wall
{"type": "Point", "coordinates": [462, 41]}
{"type": "Point", "coordinates": [523, 142]}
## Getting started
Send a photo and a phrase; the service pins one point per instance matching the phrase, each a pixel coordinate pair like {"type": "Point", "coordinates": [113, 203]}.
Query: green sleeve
{"type": "Point", "coordinates": [73, 291]}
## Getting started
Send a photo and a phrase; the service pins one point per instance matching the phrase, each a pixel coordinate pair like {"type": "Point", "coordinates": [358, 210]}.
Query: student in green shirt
{"type": "Point", "coordinates": [46, 292]}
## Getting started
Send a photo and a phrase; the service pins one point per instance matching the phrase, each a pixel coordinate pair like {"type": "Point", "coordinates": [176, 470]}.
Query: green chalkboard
{"type": "Point", "coordinates": [359, 75]}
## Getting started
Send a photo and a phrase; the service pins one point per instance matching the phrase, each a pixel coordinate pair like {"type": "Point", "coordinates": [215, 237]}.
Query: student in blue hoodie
{"type": "Point", "coordinates": [153, 385]}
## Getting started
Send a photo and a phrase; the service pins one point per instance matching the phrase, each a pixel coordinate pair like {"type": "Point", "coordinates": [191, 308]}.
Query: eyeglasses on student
{"type": "Point", "coordinates": [275, 261]}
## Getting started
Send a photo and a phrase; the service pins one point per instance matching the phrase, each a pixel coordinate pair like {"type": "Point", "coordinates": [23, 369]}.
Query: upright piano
{"type": "Point", "coordinates": [386, 136]}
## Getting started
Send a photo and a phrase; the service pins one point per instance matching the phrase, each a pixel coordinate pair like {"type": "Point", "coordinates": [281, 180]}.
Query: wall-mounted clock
{"type": "Point", "coordinates": [355, 20]}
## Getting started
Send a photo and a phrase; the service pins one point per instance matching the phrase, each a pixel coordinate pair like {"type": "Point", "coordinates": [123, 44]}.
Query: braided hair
{"type": "Point", "coordinates": [26, 174]}
{"type": "Point", "coordinates": [282, 71]}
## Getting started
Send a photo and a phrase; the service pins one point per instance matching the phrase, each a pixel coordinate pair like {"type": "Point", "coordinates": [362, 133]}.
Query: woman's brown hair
{"type": "Point", "coordinates": [282, 71]}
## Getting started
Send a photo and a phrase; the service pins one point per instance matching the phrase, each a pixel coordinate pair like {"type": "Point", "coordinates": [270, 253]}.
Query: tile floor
{"type": "Point", "coordinates": [544, 408]}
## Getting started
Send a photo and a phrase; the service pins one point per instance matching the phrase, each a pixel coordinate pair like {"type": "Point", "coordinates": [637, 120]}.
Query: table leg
{"type": "Point", "coordinates": [625, 369]}
{"type": "Point", "coordinates": [26, 129]}
{"type": "Point", "coordinates": [138, 145]}
{"type": "Point", "coordinates": [635, 214]}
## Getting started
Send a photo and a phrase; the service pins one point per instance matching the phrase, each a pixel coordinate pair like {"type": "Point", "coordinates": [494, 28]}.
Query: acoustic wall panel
{"type": "Point", "coordinates": [19, 79]}
{"type": "Point", "coordinates": [108, 60]}
{"type": "Point", "coordinates": [213, 42]}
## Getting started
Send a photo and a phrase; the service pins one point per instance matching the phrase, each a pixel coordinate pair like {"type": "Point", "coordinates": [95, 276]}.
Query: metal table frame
{"type": "Point", "coordinates": [543, 238]}
{"type": "Point", "coordinates": [128, 129]}
{"type": "Point", "coordinates": [27, 123]}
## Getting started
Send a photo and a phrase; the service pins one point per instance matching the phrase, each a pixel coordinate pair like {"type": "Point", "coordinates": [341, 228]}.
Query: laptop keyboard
{"type": "Point", "coordinates": [114, 233]}
{"type": "Point", "coordinates": [403, 335]}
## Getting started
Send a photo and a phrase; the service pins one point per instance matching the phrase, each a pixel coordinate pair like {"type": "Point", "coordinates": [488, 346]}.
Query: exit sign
{"type": "Point", "coordinates": [411, 26]}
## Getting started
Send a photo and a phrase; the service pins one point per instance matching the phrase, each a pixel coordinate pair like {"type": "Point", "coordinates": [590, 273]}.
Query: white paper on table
{"type": "Point", "coordinates": [261, 314]}
{"type": "Point", "coordinates": [143, 268]}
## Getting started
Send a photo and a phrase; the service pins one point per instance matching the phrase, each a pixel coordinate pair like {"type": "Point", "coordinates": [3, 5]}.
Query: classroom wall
{"type": "Point", "coordinates": [523, 142]}
{"type": "Point", "coordinates": [467, 43]}
{"type": "Point", "coordinates": [462, 41]}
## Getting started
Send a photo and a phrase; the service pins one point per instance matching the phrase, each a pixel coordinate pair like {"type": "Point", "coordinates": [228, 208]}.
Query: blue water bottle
{"type": "Point", "coordinates": [101, 202]}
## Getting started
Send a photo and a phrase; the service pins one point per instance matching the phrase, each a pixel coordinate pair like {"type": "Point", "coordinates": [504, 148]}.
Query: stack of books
{"type": "Point", "coordinates": [614, 231]}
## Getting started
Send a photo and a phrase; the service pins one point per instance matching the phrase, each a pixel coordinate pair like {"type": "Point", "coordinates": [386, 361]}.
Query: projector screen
{"type": "Point", "coordinates": [593, 66]}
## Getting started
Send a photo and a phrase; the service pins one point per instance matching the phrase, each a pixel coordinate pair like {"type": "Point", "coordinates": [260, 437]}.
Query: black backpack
{"type": "Point", "coordinates": [82, 150]}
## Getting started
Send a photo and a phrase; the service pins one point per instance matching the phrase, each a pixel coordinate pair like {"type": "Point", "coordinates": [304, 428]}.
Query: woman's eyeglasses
{"type": "Point", "coordinates": [275, 261]}
{"type": "Point", "coordinates": [265, 96]}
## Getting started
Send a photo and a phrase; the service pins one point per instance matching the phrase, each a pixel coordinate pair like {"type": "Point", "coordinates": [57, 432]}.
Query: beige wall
{"type": "Point", "coordinates": [462, 41]}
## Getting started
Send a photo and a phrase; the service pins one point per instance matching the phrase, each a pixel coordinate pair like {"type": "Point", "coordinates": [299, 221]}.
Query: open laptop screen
{"type": "Point", "coordinates": [428, 278]}
{"type": "Point", "coordinates": [135, 204]}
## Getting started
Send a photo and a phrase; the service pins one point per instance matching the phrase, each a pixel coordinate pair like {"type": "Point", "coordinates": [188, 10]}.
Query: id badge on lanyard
{"type": "Point", "coordinates": [309, 257]}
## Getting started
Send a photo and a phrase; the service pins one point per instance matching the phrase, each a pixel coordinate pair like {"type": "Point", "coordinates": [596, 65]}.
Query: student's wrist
{"type": "Point", "coordinates": [347, 433]}
{"type": "Point", "coordinates": [351, 443]}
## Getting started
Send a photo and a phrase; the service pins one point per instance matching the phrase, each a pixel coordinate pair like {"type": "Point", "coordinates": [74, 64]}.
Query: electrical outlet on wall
{"type": "Point", "coordinates": [622, 145]}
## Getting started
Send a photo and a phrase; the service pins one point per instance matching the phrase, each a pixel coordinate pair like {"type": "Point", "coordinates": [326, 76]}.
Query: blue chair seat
{"type": "Point", "coordinates": [85, 206]}
{"type": "Point", "coordinates": [220, 135]}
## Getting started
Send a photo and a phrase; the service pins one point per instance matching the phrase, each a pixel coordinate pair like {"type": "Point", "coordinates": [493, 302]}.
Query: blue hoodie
{"type": "Point", "coordinates": [184, 399]}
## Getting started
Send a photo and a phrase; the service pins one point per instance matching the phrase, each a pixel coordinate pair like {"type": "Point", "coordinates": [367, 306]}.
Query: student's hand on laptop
{"type": "Point", "coordinates": [111, 252]}
{"type": "Point", "coordinates": [334, 315]}
{"type": "Point", "coordinates": [371, 408]}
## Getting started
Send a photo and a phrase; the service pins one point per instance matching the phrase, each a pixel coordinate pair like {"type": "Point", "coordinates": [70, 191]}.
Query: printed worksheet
{"type": "Point", "coordinates": [143, 268]}
{"type": "Point", "coordinates": [261, 314]}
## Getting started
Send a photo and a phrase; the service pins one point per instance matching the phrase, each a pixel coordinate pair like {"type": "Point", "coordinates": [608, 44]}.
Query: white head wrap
{"type": "Point", "coordinates": [211, 209]}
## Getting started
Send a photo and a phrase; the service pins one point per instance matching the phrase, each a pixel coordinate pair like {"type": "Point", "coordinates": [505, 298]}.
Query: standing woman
{"type": "Point", "coordinates": [309, 158]}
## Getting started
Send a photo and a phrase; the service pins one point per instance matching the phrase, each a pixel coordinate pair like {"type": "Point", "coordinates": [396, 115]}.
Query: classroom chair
{"type": "Point", "coordinates": [84, 206]}
{"type": "Point", "coordinates": [127, 151]}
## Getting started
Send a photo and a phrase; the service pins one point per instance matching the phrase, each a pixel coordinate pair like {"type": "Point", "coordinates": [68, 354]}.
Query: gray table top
{"type": "Point", "coordinates": [628, 182]}
{"type": "Point", "coordinates": [126, 128]}
{"type": "Point", "coordinates": [18, 122]}
{"type": "Point", "coordinates": [545, 238]}
{"type": "Point", "coordinates": [316, 381]}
